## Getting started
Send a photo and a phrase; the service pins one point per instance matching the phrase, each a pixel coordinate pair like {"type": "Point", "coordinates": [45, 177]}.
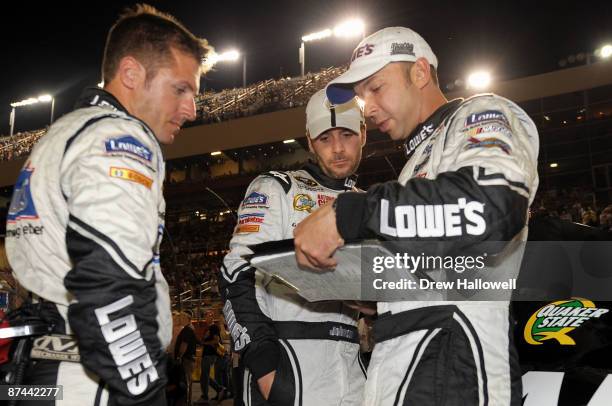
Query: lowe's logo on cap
{"type": "Point", "coordinates": [405, 48]}
{"type": "Point", "coordinates": [486, 116]}
{"type": "Point", "coordinates": [130, 145]}
{"type": "Point", "coordinates": [363, 50]}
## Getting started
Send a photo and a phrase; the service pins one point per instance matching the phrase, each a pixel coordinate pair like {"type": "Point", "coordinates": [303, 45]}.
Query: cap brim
{"type": "Point", "coordinates": [340, 90]}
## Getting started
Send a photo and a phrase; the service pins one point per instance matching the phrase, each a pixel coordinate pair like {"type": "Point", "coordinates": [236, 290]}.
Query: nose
{"type": "Point", "coordinates": [369, 108]}
{"type": "Point", "coordinates": [337, 143]}
{"type": "Point", "coordinates": [188, 110]}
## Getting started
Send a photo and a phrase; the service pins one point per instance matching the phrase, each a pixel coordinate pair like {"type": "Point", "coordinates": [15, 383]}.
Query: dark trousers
{"type": "Point", "coordinates": [207, 362]}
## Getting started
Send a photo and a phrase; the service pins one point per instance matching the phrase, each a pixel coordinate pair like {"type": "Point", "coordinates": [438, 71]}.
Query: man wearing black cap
{"type": "Point", "coordinates": [470, 175]}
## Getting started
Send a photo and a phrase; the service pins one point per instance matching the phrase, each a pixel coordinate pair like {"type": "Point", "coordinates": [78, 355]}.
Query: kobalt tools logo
{"type": "Point", "coordinates": [433, 220]}
{"type": "Point", "coordinates": [557, 319]}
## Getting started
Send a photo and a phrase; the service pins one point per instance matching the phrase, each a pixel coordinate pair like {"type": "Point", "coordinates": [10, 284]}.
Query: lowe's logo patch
{"type": "Point", "coordinates": [130, 145]}
{"type": "Point", "coordinates": [255, 199]}
{"type": "Point", "coordinates": [240, 336]}
{"type": "Point", "coordinates": [486, 116]}
{"type": "Point", "coordinates": [557, 319]}
{"type": "Point", "coordinates": [433, 220]}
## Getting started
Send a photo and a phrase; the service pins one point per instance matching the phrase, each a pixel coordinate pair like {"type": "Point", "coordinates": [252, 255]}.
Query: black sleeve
{"type": "Point", "coordinates": [484, 177]}
{"type": "Point", "coordinates": [114, 325]}
{"type": "Point", "coordinates": [262, 217]}
{"type": "Point", "coordinates": [112, 236]}
{"type": "Point", "coordinates": [452, 207]}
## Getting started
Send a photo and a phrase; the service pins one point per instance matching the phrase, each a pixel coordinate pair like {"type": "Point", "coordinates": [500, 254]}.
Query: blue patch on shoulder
{"type": "Point", "coordinates": [486, 116]}
{"type": "Point", "coordinates": [22, 204]}
{"type": "Point", "coordinates": [130, 145]}
{"type": "Point", "coordinates": [255, 199]}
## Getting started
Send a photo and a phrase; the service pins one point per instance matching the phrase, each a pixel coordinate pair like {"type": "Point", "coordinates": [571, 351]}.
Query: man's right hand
{"type": "Point", "coordinates": [316, 239]}
{"type": "Point", "coordinates": [265, 384]}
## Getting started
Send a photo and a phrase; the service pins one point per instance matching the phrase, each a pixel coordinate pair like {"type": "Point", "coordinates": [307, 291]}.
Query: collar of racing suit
{"type": "Point", "coordinates": [336, 184]}
{"type": "Point", "coordinates": [94, 96]}
{"type": "Point", "coordinates": [429, 126]}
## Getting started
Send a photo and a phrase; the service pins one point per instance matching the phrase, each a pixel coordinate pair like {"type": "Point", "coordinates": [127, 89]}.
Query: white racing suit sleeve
{"type": "Point", "coordinates": [112, 235]}
{"type": "Point", "coordinates": [261, 218]}
{"type": "Point", "coordinates": [485, 179]}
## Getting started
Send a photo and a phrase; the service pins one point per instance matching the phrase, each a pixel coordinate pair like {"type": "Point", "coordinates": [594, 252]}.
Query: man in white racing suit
{"type": "Point", "coordinates": [87, 217]}
{"type": "Point", "coordinates": [295, 352]}
{"type": "Point", "coordinates": [470, 175]}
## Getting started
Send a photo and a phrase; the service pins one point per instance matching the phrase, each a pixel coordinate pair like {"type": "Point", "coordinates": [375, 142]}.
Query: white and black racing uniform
{"type": "Point", "coordinates": [470, 176]}
{"type": "Point", "coordinates": [83, 233]}
{"type": "Point", "coordinates": [313, 347]}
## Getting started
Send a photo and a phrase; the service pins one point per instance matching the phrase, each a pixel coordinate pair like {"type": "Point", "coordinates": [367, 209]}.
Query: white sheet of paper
{"type": "Point", "coordinates": [343, 283]}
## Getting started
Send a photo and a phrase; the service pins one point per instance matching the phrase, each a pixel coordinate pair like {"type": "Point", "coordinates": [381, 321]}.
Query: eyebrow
{"type": "Point", "coordinates": [186, 83]}
{"type": "Point", "coordinates": [365, 82]}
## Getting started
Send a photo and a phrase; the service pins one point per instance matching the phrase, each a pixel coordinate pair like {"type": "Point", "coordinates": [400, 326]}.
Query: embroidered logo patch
{"type": "Point", "coordinates": [131, 175]}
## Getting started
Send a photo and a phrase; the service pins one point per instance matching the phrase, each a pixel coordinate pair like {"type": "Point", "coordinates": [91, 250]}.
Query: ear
{"type": "Point", "coordinates": [131, 73]}
{"type": "Point", "coordinates": [420, 74]}
{"type": "Point", "coordinates": [310, 148]}
{"type": "Point", "coordinates": [364, 135]}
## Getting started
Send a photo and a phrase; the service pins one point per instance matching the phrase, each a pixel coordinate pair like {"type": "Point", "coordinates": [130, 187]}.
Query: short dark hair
{"type": "Point", "coordinates": [148, 35]}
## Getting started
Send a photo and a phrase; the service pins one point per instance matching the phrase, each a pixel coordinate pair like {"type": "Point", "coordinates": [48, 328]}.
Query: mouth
{"type": "Point", "coordinates": [176, 125]}
{"type": "Point", "coordinates": [383, 126]}
{"type": "Point", "coordinates": [340, 162]}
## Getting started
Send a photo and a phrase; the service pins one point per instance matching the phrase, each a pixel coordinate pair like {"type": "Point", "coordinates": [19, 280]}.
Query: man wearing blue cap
{"type": "Point", "coordinates": [470, 175]}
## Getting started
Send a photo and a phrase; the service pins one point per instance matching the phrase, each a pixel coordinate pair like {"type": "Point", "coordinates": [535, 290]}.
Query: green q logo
{"type": "Point", "coordinates": [557, 319]}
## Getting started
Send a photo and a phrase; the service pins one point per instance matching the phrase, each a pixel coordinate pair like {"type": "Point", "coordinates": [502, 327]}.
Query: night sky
{"type": "Point", "coordinates": [56, 47]}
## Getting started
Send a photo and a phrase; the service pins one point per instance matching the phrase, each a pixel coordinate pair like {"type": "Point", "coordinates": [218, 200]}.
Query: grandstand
{"type": "Point", "coordinates": [572, 109]}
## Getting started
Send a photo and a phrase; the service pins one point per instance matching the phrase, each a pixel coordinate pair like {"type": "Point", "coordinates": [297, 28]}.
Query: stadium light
{"type": "Point", "coordinates": [215, 153]}
{"type": "Point", "coordinates": [229, 56]}
{"type": "Point", "coordinates": [350, 28]}
{"type": "Point", "coordinates": [554, 165]}
{"type": "Point", "coordinates": [346, 29]}
{"type": "Point", "coordinates": [479, 80]}
{"type": "Point", "coordinates": [288, 141]}
{"type": "Point", "coordinates": [315, 36]}
{"type": "Point", "coordinates": [43, 98]}
{"type": "Point", "coordinates": [606, 51]}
